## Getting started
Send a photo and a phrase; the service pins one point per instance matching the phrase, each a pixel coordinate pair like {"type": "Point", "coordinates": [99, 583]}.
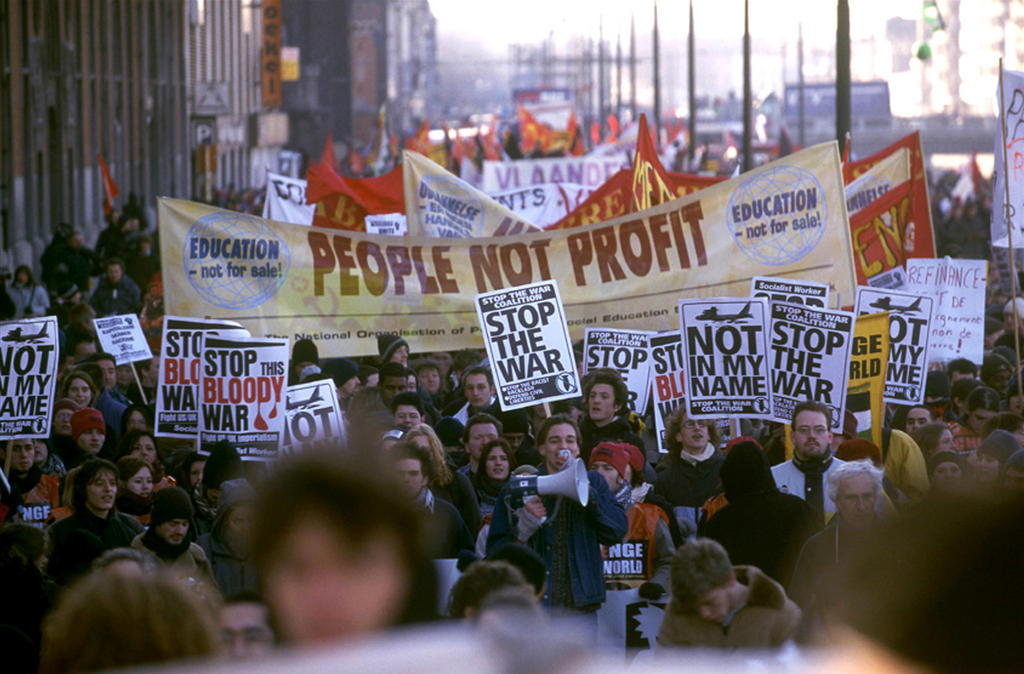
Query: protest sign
{"type": "Point", "coordinates": [628, 624]}
{"type": "Point", "coordinates": [442, 205]}
{"type": "Point", "coordinates": [958, 319]}
{"type": "Point", "coordinates": [668, 380]}
{"type": "Point", "coordinates": [866, 387]}
{"type": "Point", "coordinates": [909, 320]}
{"type": "Point", "coordinates": [528, 345]}
{"type": "Point", "coordinates": [177, 391]}
{"type": "Point", "coordinates": [883, 234]}
{"type": "Point", "coordinates": [286, 200]}
{"type": "Point", "coordinates": [28, 376]}
{"type": "Point", "coordinates": [389, 224]}
{"type": "Point", "coordinates": [891, 279]}
{"type": "Point", "coordinates": [726, 357]}
{"type": "Point", "coordinates": [242, 384]}
{"type": "Point", "coordinates": [790, 291]}
{"type": "Point", "coordinates": [916, 230]}
{"type": "Point", "coordinates": [122, 337]}
{"type": "Point", "coordinates": [591, 172]}
{"type": "Point", "coordinates": [627, 351]}
{"type": "Point", "coordinates": [313, 418]}
{"type": "Point", "coordinates": [626, 273]}
{"type": "Point", "coordinates": [1011, 114]}
{"type": "Point", "coordinates": [543, 205]}
{"type": "Point", "coordinates": [810, 356]}
{"type": "Point", "coordinates": [877, 180]}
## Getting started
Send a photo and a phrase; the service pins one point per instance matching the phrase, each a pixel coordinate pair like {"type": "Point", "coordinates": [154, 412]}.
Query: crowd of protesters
{"type": "Point", "coordinates": [765, 538]}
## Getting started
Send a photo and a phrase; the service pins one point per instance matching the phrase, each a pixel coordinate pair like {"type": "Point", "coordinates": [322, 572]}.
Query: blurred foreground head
{"type": "Point", "coordinates": [111, 620]}
{"type": "Point", "coordinates": [943, 587]}
{"type": "Point", "coordinates": [340, 549]}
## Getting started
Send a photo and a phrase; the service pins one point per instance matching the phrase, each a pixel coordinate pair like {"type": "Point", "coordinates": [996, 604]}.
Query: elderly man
{"type": "Point", "coordinates": [856, 488]}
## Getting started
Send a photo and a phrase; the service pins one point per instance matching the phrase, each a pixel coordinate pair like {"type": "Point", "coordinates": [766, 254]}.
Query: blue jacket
{"type": "Point", "coordinates": [603, 521]}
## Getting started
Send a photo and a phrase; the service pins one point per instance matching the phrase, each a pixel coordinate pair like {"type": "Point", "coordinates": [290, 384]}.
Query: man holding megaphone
{"type": "Point", "coordinates": [564, 514]}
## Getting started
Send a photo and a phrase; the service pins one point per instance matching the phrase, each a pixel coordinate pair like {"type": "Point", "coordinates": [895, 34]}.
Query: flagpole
{"type": "Point", "coordinates": [691, 76]}
{"type": "Point", "coordinates": [1009, 230]}
{"type": "Point", "coordinates": [657, 82]}
{"type": "Point", "coordinates": [748, 96]}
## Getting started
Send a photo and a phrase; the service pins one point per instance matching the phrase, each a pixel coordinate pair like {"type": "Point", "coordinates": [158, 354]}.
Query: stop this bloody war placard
{"type": "Point", "coordinates": [668, 380]}
{"type": "Point", "coordinates": [726, 357]}
{"type": "Point", "coordinates": [787, 218]}
{"type": "Point", "coordinates": [28, 375]}
{"type": "Point", "coordinates": [528, 345]}
{"type": "Point", "coordinates": [810, 359]}
{"type": "Point", "coordinates": [177, 391]}
{"type": "Point", "coordinates": [242, 392]}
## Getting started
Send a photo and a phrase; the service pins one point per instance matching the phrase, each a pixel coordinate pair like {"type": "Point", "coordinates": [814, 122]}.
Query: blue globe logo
{"type": "Point", "coordinates": [778, 216]}
{"type": "Point", "coordinates": [235, 261]}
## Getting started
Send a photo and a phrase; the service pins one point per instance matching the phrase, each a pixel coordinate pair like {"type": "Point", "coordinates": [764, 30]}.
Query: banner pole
{"type": "Point", "coordinates": [138, 382]}
{"type": "Point", "coordinates": [1009, 232]}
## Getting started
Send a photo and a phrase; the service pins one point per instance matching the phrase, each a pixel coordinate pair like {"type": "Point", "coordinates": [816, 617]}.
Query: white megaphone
{"type": "Point", "coordinates": [570, 482]}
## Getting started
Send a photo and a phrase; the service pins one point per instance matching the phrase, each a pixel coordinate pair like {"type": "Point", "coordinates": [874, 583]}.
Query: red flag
{"type": "Point", "coordinates": [922, 243]}
{"type": "Point", "coordinates": [532, 132]}
{"type": "Point", "coordinates": [342, 203]}
{"type": "Point", "coordinates": [356, 163]}
{"type": "Point", "coordinates": [650, 179]}
{"type": "Point", "coordinates": [327, 156]}
{"type": "Point", "coordinates": [109, 186]}
{"type": "Point", "coordinates": [613, 128]}
{"type": "Point", "coordinates": [595, 132]}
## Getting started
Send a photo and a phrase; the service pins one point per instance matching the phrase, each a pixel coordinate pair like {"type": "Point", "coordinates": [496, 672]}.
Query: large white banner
{"type": "Point", "coordinates": [543, 205]}
{"type": "Point", "coordinates": [286, 200]}
{"type": "Point", "coordinates": [592, 172]}
{"type": "Point", "coordinates": [1011, 109]}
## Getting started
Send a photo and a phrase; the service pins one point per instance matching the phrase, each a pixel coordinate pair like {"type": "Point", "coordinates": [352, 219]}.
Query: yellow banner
{"type": "Point", "coordinates": [341, 289]}
{"type": "Point", "coordinates": [869, 358]}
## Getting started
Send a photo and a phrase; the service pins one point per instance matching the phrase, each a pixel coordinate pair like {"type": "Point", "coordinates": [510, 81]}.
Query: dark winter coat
{"type": "Point", "coordinates": [760, 526]}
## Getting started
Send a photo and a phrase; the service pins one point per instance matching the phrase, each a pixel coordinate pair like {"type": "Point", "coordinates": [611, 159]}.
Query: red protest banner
{"type": "Point", "coordinates": [919, 216]}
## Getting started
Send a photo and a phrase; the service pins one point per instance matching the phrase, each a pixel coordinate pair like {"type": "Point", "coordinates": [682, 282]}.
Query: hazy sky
{"type": "Point", "coordinates": [498, 24]}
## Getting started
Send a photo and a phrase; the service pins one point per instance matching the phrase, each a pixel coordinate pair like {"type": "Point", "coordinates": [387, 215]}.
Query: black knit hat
{"type": "Point", "coordinates": [388, 344]}
{"type": "Point", "coordinates": [341, 370]}
{"type": "Point", "coordinates": [223, 464]}
{"type": "Point", "coordinates": [449, 431]}
{"type": "Point", "coordinates": [170, 503]}
{"type": "Point", "coordinates": [305, 351]}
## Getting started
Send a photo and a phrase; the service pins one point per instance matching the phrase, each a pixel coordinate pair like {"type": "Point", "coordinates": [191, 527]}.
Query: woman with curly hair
{"type": "Point", "coordinates": [445, 483]}
{"type": "Point", "coordinates": [692, 463]}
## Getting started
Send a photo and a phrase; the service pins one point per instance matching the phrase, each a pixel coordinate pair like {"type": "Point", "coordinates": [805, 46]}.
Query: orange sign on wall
{"type": "Point", "coordinates": [270, 54]}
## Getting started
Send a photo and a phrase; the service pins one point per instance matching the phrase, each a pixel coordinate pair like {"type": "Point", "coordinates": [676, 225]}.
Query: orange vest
{"type": "Point", "coordinates": [631, 562]}
{"type": "Point", "coordinates": [37, 503]}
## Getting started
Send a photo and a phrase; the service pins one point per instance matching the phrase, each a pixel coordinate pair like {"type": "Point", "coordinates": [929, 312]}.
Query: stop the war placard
{"type": "Point", "coordinates": [313, 418]}
{"type": "Point", "coordinates": [177, 391]}
{"type": "Point", "coordinates": [627, 351]}
{"type": "Point", "coordinates": [668, 380]}
{"type": "Point", "coordinates": [528, 344]}
{"type": "Point", "coordinates": [810, 359]}
{"type": "Point", "coordinates": [28, 376]}
{"type": "Point", "coordinates": [122, 337]}
{"type": "Point", "coordinates": [909, 320]}
{"type": "Point", "coordinates": [726, 357]}
{"type": "Point", "coordinates": [242, 392]}
{"type": "Point", "coordinates": [791, 291]}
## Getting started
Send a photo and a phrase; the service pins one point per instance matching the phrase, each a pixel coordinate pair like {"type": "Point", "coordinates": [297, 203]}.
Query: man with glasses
{"type": "Point", "coordinates": [806, 473]}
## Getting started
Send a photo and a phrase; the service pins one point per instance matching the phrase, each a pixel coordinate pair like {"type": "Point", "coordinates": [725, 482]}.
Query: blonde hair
{"type": "Point", "coordinates": [442, 474]}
